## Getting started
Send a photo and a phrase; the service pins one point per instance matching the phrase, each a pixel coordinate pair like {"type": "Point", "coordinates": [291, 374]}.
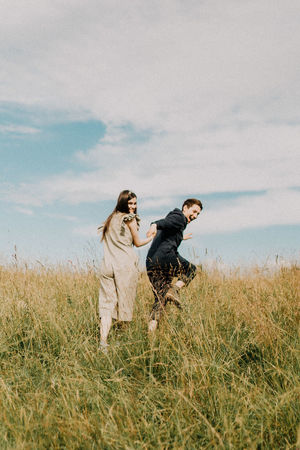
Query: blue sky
{"type": "Point", "coordinates": [170, 99]}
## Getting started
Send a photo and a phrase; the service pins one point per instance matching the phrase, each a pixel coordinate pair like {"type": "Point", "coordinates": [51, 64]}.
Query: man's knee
{"type": "Point", "coordinates": [188, 273]}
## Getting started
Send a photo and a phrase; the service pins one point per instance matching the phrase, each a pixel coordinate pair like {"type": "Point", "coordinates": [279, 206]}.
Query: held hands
{"type": "Point", "coordinates": [187, 236]}
{"type": "Point", "coordinates": [152, 231]}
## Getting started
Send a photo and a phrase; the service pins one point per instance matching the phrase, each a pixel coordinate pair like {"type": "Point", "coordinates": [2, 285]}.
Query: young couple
{"type": "Point", "coordinates": [119, 267]}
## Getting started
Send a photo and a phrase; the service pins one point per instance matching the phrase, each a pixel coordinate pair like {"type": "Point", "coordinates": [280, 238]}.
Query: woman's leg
{"type": "Point", "coordinates": [105, 325]}
{"type": "Point", "coordinates": [107, 301]}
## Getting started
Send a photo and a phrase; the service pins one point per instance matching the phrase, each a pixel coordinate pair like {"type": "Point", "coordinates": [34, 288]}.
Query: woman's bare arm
{"type": "Point", "coordinates": [135, 234]}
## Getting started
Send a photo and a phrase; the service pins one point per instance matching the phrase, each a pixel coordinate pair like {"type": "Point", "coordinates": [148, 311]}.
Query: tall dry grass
{"type": "Point", "coordinates": [223, 373]}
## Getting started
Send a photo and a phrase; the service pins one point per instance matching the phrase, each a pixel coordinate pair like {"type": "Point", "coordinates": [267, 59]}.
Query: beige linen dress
{"type": "Point", "coordinates": [118, 270]}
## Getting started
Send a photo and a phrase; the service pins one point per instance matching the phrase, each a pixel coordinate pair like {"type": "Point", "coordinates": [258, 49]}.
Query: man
{"type": "Point", "coordinates": [163, 260]}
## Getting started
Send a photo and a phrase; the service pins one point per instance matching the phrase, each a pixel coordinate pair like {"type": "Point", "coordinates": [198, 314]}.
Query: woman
{"type": "Point", "coordinates": [119, 267]}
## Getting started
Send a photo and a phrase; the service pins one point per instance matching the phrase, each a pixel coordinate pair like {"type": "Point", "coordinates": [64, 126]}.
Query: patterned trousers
{"type": "Point", "coordinates": [161, 276]}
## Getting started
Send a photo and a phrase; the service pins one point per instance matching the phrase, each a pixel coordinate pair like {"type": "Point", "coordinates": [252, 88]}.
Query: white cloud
{"type": "Point", "coordinates": [216, 88]}
{"type": "Point", "coordinates": [61, 217]}
{"type": "Point", "coordinates": [251, 158]}
{"type": "Point", "coordinates": [18, 129]}
{"type": "Point", "coordinates": [88, 231]}
{"type": "Point", "coordinates": [167, 65]}
{"type": "Point", "coordinates": [278, 207]}
{"type": "Point", "coordinates": [26, 211]}
{"type": "Point", "coordinates": [155, 202]}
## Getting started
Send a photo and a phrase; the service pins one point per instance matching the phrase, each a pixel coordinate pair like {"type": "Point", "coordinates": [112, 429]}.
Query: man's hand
{"type": "Point", "coordinates": [187, 236]}
{"type": "Point", "coordinates": [152, 230]}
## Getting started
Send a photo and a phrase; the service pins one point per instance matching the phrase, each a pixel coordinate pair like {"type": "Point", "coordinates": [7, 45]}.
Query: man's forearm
{"type": "Point", "coordinates": [168, 224]}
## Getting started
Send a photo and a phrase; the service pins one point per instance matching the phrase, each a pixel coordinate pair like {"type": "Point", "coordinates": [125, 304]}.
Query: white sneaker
{"type": "Point", "coordinates": [152, 326]}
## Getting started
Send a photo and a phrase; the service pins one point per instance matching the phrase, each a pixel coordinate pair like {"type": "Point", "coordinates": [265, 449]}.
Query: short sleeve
{"type": "Point", "coordinates": [128, 218]}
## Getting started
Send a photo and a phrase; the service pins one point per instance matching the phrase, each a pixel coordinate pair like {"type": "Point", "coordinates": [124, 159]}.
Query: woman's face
{"type": "Point", "coordinates": [132, 205]}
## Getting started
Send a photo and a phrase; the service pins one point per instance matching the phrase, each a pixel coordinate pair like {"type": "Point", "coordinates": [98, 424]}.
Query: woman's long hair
{"type": "Point", "coordinates": [121, 206]}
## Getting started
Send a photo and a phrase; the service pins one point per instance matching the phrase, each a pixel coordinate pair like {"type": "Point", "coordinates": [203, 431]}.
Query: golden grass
{"type": "Point", "coordinates": [223, 373]}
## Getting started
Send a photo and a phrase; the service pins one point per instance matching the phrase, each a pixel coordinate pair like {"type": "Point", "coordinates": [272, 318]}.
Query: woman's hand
{"type": "Point", "coordinates": [187, 236]}
{"type": "Point", "coordinates": [152, 231]}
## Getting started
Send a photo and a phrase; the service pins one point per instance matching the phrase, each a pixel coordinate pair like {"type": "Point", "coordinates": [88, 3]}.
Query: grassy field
{"type": "Point", "coordinates": [223, 373]}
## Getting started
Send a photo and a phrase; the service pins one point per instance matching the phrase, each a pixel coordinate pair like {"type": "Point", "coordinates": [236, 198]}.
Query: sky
{"type": "Point", "coordinates": [168, 98]}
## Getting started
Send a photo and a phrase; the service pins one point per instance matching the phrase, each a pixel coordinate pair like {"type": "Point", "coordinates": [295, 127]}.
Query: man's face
{"type": "Point", "coordinates": [192, 212]}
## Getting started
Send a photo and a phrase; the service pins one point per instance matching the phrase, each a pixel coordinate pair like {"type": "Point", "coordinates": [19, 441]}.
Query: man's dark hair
{"type": "Point", "coordinates": [192, 201]}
